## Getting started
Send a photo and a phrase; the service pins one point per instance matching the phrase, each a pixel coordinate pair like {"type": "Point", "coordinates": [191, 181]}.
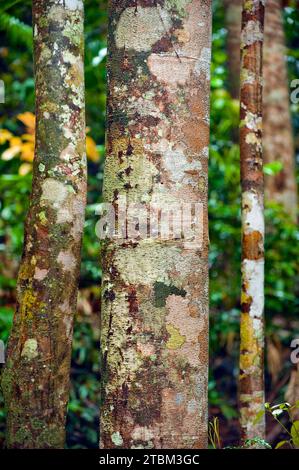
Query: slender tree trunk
{"type": "Point", "coordinates": [278, 139]}
{"type": "Point", "coordinates": [278, 134]}
{"type": "Point", "coordinates": [155, 289]}
{"type": "Point", "coordinates": [252, 300]}
{"type": "Point", "coordinates": [36, 378]}
{"type": "Point", "coordinates": [233, 13]}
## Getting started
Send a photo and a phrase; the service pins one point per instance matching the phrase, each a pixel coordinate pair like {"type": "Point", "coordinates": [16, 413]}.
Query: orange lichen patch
{"type": "Point", "coordinates": [196, 134]}
{"type": "Point", "coordinates": [182, 35]}
{"type": "Point", "coordinates": [253, 245]}
{"type": "Point", "coordinates": [193, 309]}
{"type": "Point", "coordinates": [195, 104]}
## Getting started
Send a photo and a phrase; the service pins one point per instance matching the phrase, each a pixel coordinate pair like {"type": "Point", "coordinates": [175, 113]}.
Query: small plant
{"type": "Point", "coordinates": [291, 430]}
{"type": "Point", "coordinates": [214, 434]}
{"type": "Point", "coordinates": [256, 443]}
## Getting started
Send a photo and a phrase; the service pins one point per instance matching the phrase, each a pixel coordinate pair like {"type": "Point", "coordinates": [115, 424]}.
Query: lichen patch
{"type": "Point", "coordinates": [135, 29]}
{"type": "Point", "coordinates": [29, 350]}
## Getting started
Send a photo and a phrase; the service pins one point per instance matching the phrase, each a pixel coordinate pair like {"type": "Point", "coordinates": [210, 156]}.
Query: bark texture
{"type": "Point", "coordinates": [155, 291]}
{"type": "Point", "coordinates": [252, 299]}
{"type": "Point", "coordinates": [278, 139]}
{"type": "Point", "coordinates": [36, 377]}
{"type": "Point", "coordinates": [233, 14]}
{"type": "Point", "coordinates": [278, 133]}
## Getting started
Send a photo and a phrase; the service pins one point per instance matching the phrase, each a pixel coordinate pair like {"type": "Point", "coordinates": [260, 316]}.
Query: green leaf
{"type": "Point", "coordinates": [295, 433]}
{"type": "Point", "coordinates": [259, 416]}
{"type": "Point", "coordinates": [280, 444]}
{"type": "Point", "coordinates": [273, 168]}
{"type": "Point", "coordinates": [6, 4]}
{"type": "Point", "coordinates": [18, 31]}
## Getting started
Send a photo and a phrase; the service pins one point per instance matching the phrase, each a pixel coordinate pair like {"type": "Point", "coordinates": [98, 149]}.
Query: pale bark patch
{"type": "Point", "coordinates": [252, 33]}
{"type": "Point", "coordinates": [253, 213]}
{"type": "Point", "coordinates": [135, 27]}
{"type": "Point", "coordinates": [29, 350]}
{"type": "Point", "coordinates": [67, 259]}
{"type": "Point", "coordinates": [171, 70]}
{"type": "Point", "coordinates": [253, 272]}
{"type": "Point", "coordinates": [54, 192]}
{"type": "Point", "coordinates": [40, 274]}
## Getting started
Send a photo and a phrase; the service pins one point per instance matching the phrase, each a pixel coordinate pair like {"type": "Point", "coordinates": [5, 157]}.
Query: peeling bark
{"type": "Point", "coordinates": [154, 334]}
{"type": "Point", "coordinates": [278, 133]}
{"type": "Point", "coordinates": [252, 299]}
{"type": "Point", "coordinates": [36, 377]}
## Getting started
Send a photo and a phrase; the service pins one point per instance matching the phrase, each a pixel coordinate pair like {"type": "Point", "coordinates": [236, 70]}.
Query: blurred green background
{"type": "Point", "coordinates": [16, 153]}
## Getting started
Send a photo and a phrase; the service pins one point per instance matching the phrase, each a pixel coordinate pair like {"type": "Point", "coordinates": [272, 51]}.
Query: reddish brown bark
{"type": "Point", "coordinates": [278, 139]}
{"type": "Point", "coordinates": [251, 384]}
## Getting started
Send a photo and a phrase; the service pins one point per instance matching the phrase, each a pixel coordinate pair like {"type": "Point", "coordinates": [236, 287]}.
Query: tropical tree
{"type": "Point", "coordinates": [278, 142]}
{"type": "Point", "coordinates": [252, 298]}
{"type": "Point", "coordinates": [35, 381]}
{"type": "Point", "coordinates": [154, 343]}
{"type": "Point", "coordinates": [279, 148]}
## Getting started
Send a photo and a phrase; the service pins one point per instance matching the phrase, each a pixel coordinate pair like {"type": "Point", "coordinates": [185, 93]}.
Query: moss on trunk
{"type": "Point", "coordinates": [36, 377]}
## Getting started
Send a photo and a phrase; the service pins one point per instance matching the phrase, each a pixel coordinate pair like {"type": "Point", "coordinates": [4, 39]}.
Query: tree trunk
{"type": "Point", "coordinates": [233, 13]}
{"type": "Point", "coordinates": [278, 139]}
{"type": "Point", "coordinates": [252, 300]}
{"type": "Point", "coordinates": [278, 134]}
{"type": "Point", "coordinates": [155, 286]}
{"type": "Point", "coordinates": [36, 377]}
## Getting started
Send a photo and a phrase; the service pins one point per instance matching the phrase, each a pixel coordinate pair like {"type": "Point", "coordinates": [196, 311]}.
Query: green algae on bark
{"type": "Point", "coordinates": [154, 319]}
{"type": "Point", "coordinates": [36, 377]}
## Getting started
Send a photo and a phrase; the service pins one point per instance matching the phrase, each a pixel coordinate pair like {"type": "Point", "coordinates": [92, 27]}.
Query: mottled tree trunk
{"type": "Point", "coordinates": [36, 378]}
{"type": "Point", "coordinates": [278, 139]}
{"type": "Point", "coordinates": [252, 300]}
{"type": "Point", "coordinates": [233, 13]}
{"type": "Point", "coordinates": [278, 134]}
{"type": "Point", "coordinates": [155, 289]}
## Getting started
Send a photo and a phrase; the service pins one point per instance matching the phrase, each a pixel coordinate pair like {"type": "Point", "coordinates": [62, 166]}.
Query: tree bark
{"type": "Point", "coordinates": [36, 377]}
{"type": "Point", "coordinates": [155, 289]}
{"type": "Point", "coordinates": [233, 14]}
{"type": "Point", "coordinates": [278, 133]}
{"type": "Point", "coordinates": [278, 139]}
{"type": "Point", "coordinates": [252, 299]}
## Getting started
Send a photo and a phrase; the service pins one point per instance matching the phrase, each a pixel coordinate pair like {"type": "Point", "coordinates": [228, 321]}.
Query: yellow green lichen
{"type": "Point", "coordinates": [176, 340]}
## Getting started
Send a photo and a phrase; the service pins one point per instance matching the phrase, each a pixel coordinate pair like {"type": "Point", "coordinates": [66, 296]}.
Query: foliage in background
{"type": "Point", "coordinates": [224, 206]}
